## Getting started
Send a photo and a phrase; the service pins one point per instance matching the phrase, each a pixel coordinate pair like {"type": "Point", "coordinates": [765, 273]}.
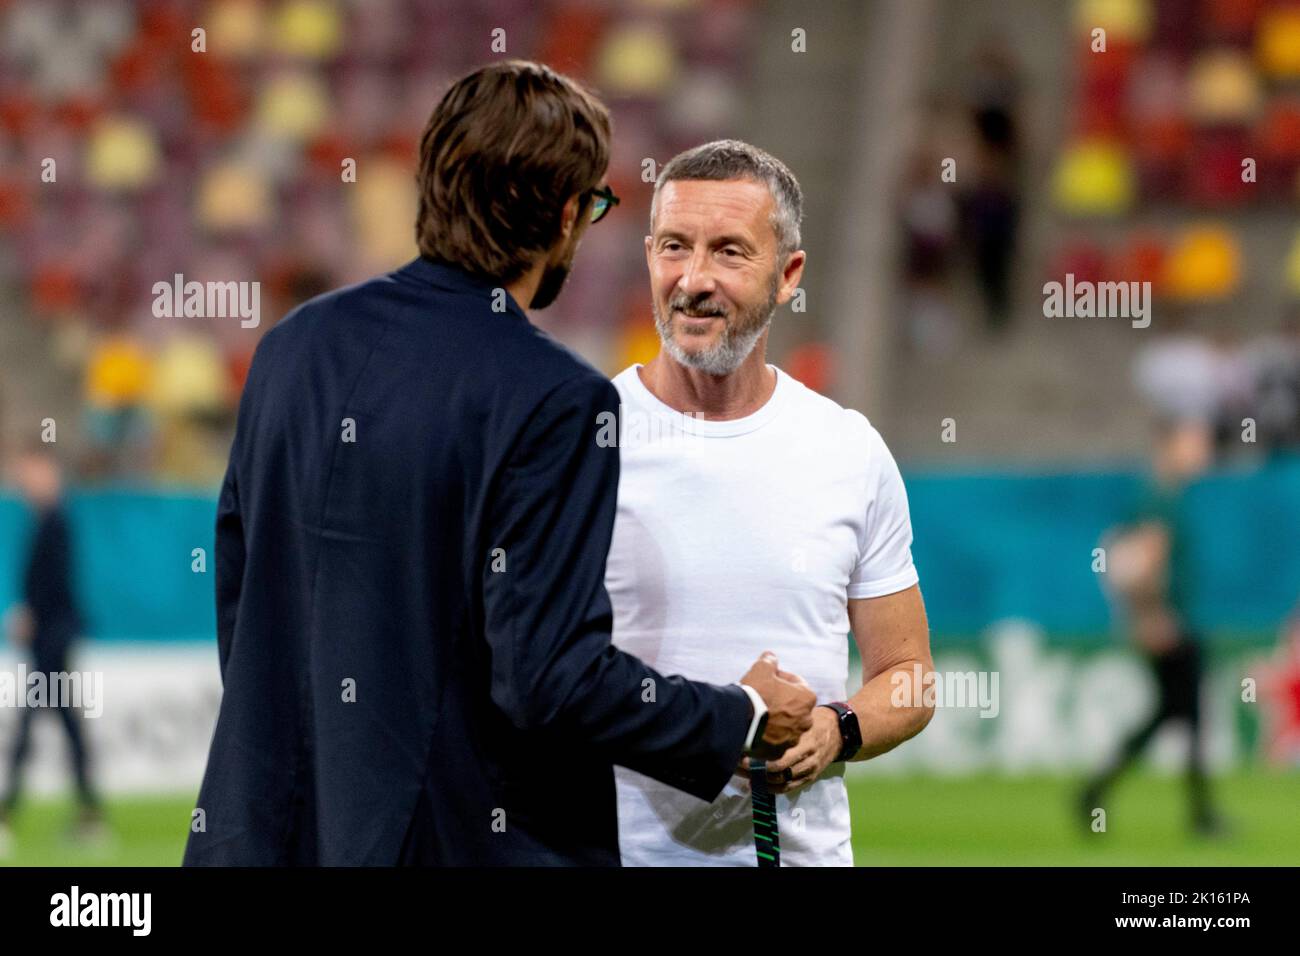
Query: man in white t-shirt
{"type": "Point", "coordinates": [753, 514]}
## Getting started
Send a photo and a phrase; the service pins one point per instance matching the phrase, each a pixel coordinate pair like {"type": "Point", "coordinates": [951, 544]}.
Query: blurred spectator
{"type": "Point", "coordinates": [1175, 371]}
{"type": "Point", "coordinates": [1150, 569]}
{"type": "Point", "coordinates": [994, 102]}
{"type": "Point", "coordinates": [1226, 379]}
{"type": "Point", "coordinates": [1233, 387]}
{"type": "Point", "coordinates": [929, 225]}
{"type": "Point", "coordinates": [1276, 386]}
{"type": "Point", "coordinates": [991, 204]}
{"type": "Point", "coordinates": [991, 214]}
{"type": "Point", "coordinates": [46, 624]}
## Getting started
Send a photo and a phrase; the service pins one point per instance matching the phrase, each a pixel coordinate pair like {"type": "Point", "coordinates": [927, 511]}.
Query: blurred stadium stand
{"type": "Point", "coordinates": [226, 165]}
{"type": "Point", "coordinates": [1130, 168]}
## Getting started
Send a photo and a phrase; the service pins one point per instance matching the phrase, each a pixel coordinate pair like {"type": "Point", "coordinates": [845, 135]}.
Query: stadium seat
{"type": "Point", "coordinates": [1094, 177]}
{"type": "Point", "coordinates": [1214, 170]}
{"type": "Point", "coordinates": [118, 373]}
{"type": "Point", "coordinates": [123, 153]}
{"type": "Point", "coordinates": [1129, 20]}
{"type": "Point", "coordinates": [1223, 87]}
{"type": "Point", "coordinates": [1292, 268]}
{"type": "Point", "coordinates": [1277, 42]}
{"type": "Point", "coordinates": [1141, 258]}
{"type": "Point", "coordinates": [1203, 264]}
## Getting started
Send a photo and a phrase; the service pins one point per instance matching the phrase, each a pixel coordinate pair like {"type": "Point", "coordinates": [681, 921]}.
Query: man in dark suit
{"type": "Point", "coordinates": [413, 628]}
{"type": "Point", "coordinates": [48, 623]}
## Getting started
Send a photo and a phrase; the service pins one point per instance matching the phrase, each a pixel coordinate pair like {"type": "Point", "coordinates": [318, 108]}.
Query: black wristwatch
{"type": "Point", "coordinates": [850, 732]}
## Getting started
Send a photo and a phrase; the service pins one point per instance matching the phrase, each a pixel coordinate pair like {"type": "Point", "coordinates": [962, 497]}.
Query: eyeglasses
{"type": "Point", "coordinates": [603, 201]}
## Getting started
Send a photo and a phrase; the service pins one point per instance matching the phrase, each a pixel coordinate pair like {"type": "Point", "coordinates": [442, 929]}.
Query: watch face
{"type": "Point", "coordinates": [850, 733]}
{"type": "Point", "coordinates": [852, 721]}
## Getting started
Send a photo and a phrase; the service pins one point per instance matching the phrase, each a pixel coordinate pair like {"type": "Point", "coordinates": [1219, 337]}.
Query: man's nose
{"type": "Point", "coordinates": [697, 277]}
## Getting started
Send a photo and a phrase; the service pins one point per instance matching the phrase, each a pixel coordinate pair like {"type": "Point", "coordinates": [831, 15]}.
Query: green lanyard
{"type": "Point", "coordinates": [767, 841]}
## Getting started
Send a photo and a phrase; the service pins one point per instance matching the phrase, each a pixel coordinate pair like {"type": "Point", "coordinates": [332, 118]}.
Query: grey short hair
{"type": "Point", "coordinates": [726, 159]}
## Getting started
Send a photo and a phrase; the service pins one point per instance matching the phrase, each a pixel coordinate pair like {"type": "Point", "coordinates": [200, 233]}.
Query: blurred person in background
{"type": "Point", "coordinates": [991, 204]}
{"type": "Point", "coordinates": [991, 213]}
{"type": "Point", "coordinates": [1177, 371]}
{"type": "Point", "coordinates": [1234, 389]}
{"type": "Point", "coordinates": [928, 219]}
{"type": "Point", "coordinates": [1149, 568]}
{"type": "Point", "coordinates": [47, 623]}
{"type": "Point", "coordinates": [1275, 368]}
{"type": "Point", "coordinates": [994, 100]}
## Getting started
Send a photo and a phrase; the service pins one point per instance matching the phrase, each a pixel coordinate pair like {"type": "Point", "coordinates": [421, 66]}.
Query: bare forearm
{"type": "Point", "coordinates": [885, 724]}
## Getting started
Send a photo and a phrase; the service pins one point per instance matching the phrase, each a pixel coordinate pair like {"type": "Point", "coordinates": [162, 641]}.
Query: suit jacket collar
{"type": "Point", "coordinates": [452, 278]}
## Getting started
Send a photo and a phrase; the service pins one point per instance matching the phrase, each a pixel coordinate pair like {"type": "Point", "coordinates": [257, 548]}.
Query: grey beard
{"type": "Point", "coordinates": [725, 357]}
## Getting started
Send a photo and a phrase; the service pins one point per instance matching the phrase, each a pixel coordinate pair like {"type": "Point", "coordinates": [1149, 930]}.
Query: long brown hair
{"type": "Point", "coordinates": [503, 151]}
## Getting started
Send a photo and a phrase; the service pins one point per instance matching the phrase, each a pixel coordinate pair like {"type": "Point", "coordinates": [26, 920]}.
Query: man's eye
{"type": "Point", "coordinates": [731, 251]}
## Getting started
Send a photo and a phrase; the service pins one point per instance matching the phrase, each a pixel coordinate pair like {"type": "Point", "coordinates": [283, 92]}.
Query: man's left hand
{"type": "Point", "coordinates": [815, 751]}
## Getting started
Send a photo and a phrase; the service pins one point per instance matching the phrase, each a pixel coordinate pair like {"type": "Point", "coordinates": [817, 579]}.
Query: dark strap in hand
{"type": "Point", "coordinates": [767, 841]}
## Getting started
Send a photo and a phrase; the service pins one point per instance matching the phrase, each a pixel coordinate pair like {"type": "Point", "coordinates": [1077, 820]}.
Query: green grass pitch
{"type": "Point", "coordinates": [897, 821]}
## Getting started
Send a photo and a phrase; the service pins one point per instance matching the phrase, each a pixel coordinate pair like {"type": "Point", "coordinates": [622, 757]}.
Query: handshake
{"type": "Point", "coordinates": [789, 701]}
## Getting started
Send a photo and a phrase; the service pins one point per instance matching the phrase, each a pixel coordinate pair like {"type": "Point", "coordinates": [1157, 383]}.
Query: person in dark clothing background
{"type": "Point", "coordinates": [1149, 567]}
{"type": "Point", "coordinates": [47, 623]}
{"type": "Point", "coordinates": [991, 203]}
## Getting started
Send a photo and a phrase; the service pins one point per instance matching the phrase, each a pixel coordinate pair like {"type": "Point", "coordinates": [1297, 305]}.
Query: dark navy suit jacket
{"type": "Point", "coordinates": [412, 623]}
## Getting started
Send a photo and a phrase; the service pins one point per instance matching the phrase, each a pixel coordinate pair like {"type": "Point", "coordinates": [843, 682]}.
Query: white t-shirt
{"type": "Point", "coordinates": [736, 537]}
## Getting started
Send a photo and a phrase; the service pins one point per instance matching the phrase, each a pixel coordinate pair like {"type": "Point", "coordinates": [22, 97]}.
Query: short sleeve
{"type": "Point", "coordinates": [885, 544]}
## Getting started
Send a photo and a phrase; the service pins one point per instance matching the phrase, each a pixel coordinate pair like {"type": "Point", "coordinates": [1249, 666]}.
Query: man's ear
{"type": "Point", "coordinates": [569, 216]}
{"type": "Point", "coordinates": [790, 276]}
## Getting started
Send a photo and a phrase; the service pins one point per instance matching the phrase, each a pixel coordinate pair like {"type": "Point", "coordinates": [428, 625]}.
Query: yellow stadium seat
{"type": "Point", "coordinates": [294, 105]}
{"type": "Point", "coordinates": [122, 153]}
{"type": "Point", "coordinates": [236, 28]}
{"type": "Point", "coordinates": [1292, 278]}
{"type": "Point", "coordinates": [1277, 42]}
{"type": "Point", "coordinates": [234, 196]}
{"type": "Point", "coordinates": [308, 28]}
{"type": "Point", "coordinates": [1204, 263]}
{"type": "Point", "coordinates": [637, 59]}
{"type": "Point", "coordinates": [1128, 20]}
{"type": "Point", "coordinates": [188, 376]}
{"type": "Point", "coordinates": [1223, 87]}
{"type": "Point", "coordinates": [118, 374]}
{"type": "Point", "coordinates": [1094, 177]}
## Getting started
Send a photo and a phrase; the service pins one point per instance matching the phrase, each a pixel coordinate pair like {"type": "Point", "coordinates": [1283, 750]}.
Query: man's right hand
{"type": "Point", "coordinates": [789, 705]}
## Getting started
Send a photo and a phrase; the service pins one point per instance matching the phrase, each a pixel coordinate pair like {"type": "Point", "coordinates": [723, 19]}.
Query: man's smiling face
{"type": "Point", "coordinates": [715, 271]}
